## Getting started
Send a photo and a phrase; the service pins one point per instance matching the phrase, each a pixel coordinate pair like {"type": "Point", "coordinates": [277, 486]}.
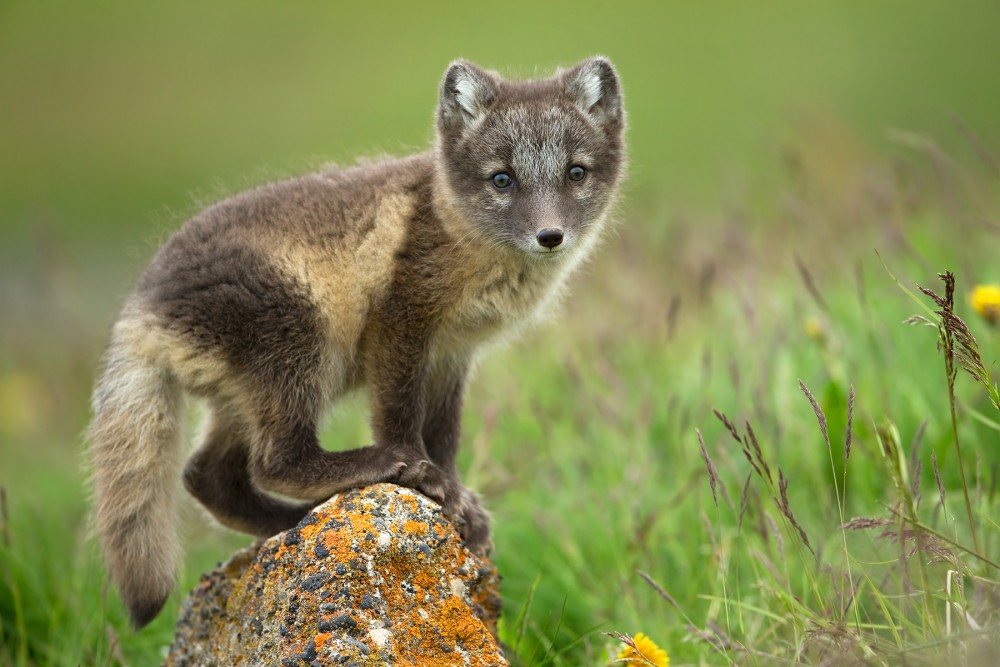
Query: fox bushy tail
{"type": "Point", "coordinates": [135, 458]}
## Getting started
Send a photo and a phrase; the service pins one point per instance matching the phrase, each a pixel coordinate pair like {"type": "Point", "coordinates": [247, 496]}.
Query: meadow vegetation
{"type": "Point", "coordinates": [735, 438]}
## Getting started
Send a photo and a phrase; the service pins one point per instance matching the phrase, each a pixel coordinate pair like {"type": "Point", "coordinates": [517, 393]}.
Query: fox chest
{"type": "Point", "coordinates": [495, 303]}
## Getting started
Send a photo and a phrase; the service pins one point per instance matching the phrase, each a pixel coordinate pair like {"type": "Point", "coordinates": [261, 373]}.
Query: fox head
{"type": "Point", "coordinates": [532, 165]}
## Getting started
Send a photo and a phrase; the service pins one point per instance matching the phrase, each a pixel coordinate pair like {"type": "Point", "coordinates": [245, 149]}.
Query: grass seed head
{"type": "Point", "coordinates": [937, 478]}
{"type": "Point", "coordinates": [757, 452]}
{"type": "Point", "coordinates": [820, 417]}
{"type": "Point", "coordinates": [850, 424]}
{"type": "Point", "coordinates": [713, 474]}
{"type": "Point", "coordinates": [743, 501]}
{"type": "Point", "coordinates": [786, 509]}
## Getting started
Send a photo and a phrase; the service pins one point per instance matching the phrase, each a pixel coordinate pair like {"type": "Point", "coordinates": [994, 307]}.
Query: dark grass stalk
{"type": "Point", "coordinates": [906, 654]}
{"type": "Point", "coordinates": [778, 489]}
{"type": "Point", "coordinates": [580, 638]}
{"type": "Point", "coordinates": [841, 499]}
{"type": "Point", "coordinates": [940, 485]}
{"type": "Point", "coordinates": [915, 483]}
{"type": "Point", "coordinates": [756, 450]}
{"type": "Point", "coordinates": [980, 486]}
{"type": "Point", "coordinates": [778, 540]}
{"type": "Point", "coordinates": [555, 633]}
{"type": "Point", "coordinates": [673, 310]}
{"type": "Point", "coordinates": [114, 655]}
{"type": "Point", "coordinates": [662, 592]}
{"type": "Point", "coordinates": [4, 518]}
{"type": "Point", "coordinates": [891, 450]}
{"type": "Point", "coordinates": [786, 509]}
{"type": "Point", "coordinates": [744, 499]}
{"type": "Point", "coordinates": [951, 327]}
{"type": "Point", "coordinates": [941, 536]}
{"type": "Point", "coordinates": [752, 451]}
{"type": "Point", "coordinates": [523, 617]}
{"type": "Point", "coordinates": [850, 427]}
{"type": "Point", "coordinates": [19, 644]}
{"type": "Point", "coordinates": [810, 284]}
{"type": "Point", "coordinates": [977, 144]}
{"type": "Point", "coordinates": [713, 476]}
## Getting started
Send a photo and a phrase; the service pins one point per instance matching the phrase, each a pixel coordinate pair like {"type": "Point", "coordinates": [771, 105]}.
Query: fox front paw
{"type": "Point", "coordinates": [472, 521]}
{"type": "Point", "coordinates": [409, 474]}
{"type": "Point", "coordinates": [438, 486]}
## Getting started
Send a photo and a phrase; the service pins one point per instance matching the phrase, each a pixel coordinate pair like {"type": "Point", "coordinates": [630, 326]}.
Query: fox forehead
{"type": "Point", "coordinates": [537, 142]}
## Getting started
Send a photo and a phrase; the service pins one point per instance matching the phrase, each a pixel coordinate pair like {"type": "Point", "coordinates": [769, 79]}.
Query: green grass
{"type": "Point", "coordinates": [763, 140]}
{"type": "Point", "coordinates": [589, 457]}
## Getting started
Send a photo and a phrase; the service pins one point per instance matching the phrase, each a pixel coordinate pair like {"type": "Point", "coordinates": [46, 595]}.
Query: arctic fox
{"type": "Point", "coordinates": [272, 304]}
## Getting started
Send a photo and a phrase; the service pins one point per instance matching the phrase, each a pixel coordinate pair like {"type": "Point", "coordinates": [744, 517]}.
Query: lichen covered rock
{"type": "Point", "coordinates": [374, 576]}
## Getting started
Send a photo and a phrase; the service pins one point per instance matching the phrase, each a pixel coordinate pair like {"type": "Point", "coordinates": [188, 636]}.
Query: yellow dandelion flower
{"type": "Point", "coordinates": [985, 300]}
{"type": "Point", "coordinates": [646, 652]}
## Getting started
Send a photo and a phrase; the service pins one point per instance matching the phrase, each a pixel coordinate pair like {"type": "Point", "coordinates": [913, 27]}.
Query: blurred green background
{"type": "Point", "coordinates": [115, 114]}
{"type": "Point", "coordinates": [118, 120]}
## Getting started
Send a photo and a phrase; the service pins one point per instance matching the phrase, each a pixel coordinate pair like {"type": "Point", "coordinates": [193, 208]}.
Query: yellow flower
{"type": "Point", "coordinates": [646, 652]}
{"type": "Point", "coordinates": [986, 301]}
{"type": "Point", "coordinates": [814, 328]}
{"type": "Point", "coordinates": [25, 404]}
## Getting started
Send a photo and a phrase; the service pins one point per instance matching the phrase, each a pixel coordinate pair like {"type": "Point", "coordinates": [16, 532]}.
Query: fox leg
{"type": "Point", "coordinates": [218, 475]}
{"type": "Point", "coordinates": [441, 434]}
{"type": "Point", "coordinates": [286, 457]}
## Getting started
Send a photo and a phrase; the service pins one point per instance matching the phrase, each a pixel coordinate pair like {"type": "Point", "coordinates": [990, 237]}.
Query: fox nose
{"type": "Point", "coordinates": [550, 237]}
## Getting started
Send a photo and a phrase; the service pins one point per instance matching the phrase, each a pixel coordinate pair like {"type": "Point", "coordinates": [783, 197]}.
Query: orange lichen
{"type": "Point", "coordinates": [416, 527]}
{"type": "Point", "coordinates": [457, 626]}
{"type": "Point", "coordinates": [331, 540]}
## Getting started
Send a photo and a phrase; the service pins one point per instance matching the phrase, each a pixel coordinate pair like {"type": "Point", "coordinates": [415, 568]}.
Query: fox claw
{"type": "Point", "coordinates": [412, 475]}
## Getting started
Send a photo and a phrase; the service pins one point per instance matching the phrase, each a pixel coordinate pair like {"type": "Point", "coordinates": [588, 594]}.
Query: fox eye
{"type": "Point", "coordinates": [576, 173]}
{"type": "Point", "coordinates": [502, 180]}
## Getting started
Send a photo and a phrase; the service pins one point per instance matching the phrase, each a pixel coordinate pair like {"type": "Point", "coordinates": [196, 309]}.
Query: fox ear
{"type": "Point", "coordinates": [593, 86]}
{"type": "Point", "coordinates": [466, 94]}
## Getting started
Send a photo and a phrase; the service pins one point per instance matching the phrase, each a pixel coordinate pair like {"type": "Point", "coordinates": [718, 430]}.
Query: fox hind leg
{"type": "Point", "coordinates": [218, 475]}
